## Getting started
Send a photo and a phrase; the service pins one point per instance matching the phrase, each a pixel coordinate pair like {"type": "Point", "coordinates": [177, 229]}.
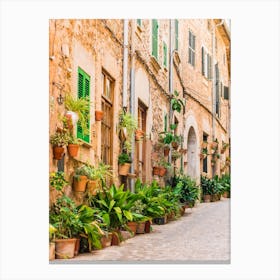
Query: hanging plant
{"type": "Point", "coordinates": [176, 103]}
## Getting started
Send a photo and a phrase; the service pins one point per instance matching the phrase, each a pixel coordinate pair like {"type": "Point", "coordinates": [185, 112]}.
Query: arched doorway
{"type": "Point", "coordinates": [192, 155]}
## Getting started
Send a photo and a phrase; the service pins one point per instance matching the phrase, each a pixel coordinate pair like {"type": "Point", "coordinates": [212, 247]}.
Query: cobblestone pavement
{"type": "Point", "coordinates": [201, 234]}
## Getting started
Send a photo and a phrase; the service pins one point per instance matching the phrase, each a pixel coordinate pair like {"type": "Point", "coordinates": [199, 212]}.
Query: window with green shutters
{"type": "Point", "coordinates": [226, 93]}
{"type": "Point", "coordinates": [165, 122]}
{"type": "Point", "coordinates": [83, 92]}
{"type": "Point", "coordinates": [176, 34]}
{"type": "Point", "coordinates": [155, 38]}
{"type": "Point", "coordinates": [202, 62]}
{"type": "Point", "coordinates": [191, 49]}
{"type": "Point", "coordinates": [139, 22]}
{"type": "Point", "coordinates": [164, 54]}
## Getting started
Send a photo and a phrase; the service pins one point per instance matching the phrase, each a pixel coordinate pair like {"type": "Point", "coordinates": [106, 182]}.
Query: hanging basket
{"type": "Point", "coordinates": [166, 151]}
{"type": "Point", "coordinates": [156, 170]}
{"type": "Point", "coordinates": [124, 169]}
{"type": "Point", "coordinates": [73, 149]}
{"type": "Point", "coordinates": [175, 145]}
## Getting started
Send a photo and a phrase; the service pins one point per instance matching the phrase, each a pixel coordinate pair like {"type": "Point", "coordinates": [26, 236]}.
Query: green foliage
{"type": "Point", "coordinates": [57, 180]}
{"type": "Point", "coordinates": [100, 172]}
{"type": "Point", "coordinates": [166, 137]}
{"type": "Point", "coordinates": [73, 140]}
{"type": "Point", "coordinates": [81, 106]}
{"type": "Point", "coordinates": [206, 185]}
{"type": "Point", "coordinates": [83, 170]}
{"type": "Point", "coordinates": [176, 103]}
{"type": "Point", "coordinates": [187, 189]}
{"type": "Point", "coordinates": [128, 122]}
{"type": "Point", "coordinates": [216, 185]}
{"type": "Point", "coordinates": [124, 158]}
{"type": "Point", "coordinates": [60, 138]}
{"type": "Point", "coordinates": [52, 231]}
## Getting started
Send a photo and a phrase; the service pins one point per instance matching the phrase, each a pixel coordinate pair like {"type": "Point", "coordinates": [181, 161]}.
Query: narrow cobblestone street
{"type": "Point", "coordinates": [201, 235]}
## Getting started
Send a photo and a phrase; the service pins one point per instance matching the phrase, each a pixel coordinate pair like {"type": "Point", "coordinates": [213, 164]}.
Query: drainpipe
{"type": "Point", "coordinates": [214, 86]}
{"type": "Point", "coordinates": [171, 52]}
{"type": "Point", "coordinates": [125, 58]}
{"type": "Point", "coordinates": [132, 103]}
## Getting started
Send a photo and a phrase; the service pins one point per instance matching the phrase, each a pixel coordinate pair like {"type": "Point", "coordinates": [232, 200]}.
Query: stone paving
{"type": "Point", "coordinates": [202, 234]}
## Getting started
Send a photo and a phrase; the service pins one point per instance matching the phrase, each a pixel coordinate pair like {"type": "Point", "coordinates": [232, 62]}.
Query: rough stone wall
{"type": "Point", "coordinates": [97, 44]}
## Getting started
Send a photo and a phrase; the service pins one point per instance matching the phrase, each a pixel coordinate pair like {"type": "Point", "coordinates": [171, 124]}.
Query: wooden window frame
{"type": "Point", "coordinates": [191, 48]}
{"type": "Point", "coordinates": [155, 38]}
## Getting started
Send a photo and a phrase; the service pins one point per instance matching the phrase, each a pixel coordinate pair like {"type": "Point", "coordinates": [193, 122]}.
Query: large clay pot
{"type": "Point", "coordinates": [207, 198]}
{"type": "Point", "coordinates": [132, 226]}
{"type": "Point", "coordinates": [115, 239]}
{"type": "Point", "coordinates": [98, 115]}
{"type": "Point", "coordinates": [124, 169]}
{"type": "Point", "coordinates": [148, 226]}
{"type": "Point", "coordinates": [140, 227]}
{"type": "Point", "coordinates": [77, 246]}
{"type": "Point", "coordinates": [80, 184]}
{"type": "Point", "coordinates": [51, 251]}
{"type": "Point", "coordinates": [73, 149]}
{"type": "Point", "coordinates": [106, 240]}
{"type": "Point", "coordinates": [58, 152]}
{"type": "Point", "coordinates": [175, 145]}
{"type": "Point", "coordinates": [156, 170]}
{"type": "Point", "coordinates": [93, 186]}
{"type": "Point", "coordinates": [162, 171]}
{"type": "Point", "coordinates": [166, 151]}
{"type": "Point", "coordinates": [65, 248]}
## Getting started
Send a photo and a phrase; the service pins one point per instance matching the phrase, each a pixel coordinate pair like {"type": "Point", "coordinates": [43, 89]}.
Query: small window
{"type": "Point", "coordinates": [139, 22]}
{"type": "Point", "coordinates": [191, 49]}
{"type": "Point", "coordinates": [202, 62]}
{"type": "Point", "coordinates": [155, 38]}
{"type": "Point", "coordinates": [226, 93]}
{"type": "Point", "coordinates": [205, 167]}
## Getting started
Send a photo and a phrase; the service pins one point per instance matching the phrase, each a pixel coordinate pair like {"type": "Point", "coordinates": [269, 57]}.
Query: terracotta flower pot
{"type": "Point", "coordinates": [77, 246]}
{"type": "Point", "coordinates": [132, 226]}
{"type": "Point", "coordinates": [156, 170]}
{"type": "Point", "coordinates": [166, 151]}
{"type": "Point", "coordinates": [162, 171]}
{"type": "Point", "coordinates": [98, 115]}
{"type": "Point", "coordinates": [65, 248]}
{"type": "Point", "coordinates": [207, 198]}
{"type": "Point", "coordinates": [175, 145]}
{"type": "Point", "coordinates": [139, 135]}
{"type": "Point", "coordinates": [226, 194]}
{"type": "Point", "coordinates": [51, 251]}
{"type": "Point", "coordinates": [80, 184]}
{"type": "Point", "coordinates": [115, 239]}
{"type": "Point", "coordinates": [106, 240]}
{"type": "Point", "coordinates": [140, 227]}
{"type": "Point", "coordinates": [124, 169]}
{"type": "Point", "coordinates": [148, 226]}
{"type": "Point", "coordinates": [93, 186]}
{"type": "Point", "coordinates": [73, 149]}
{"type": "Point", "coordinates": [58, 152]}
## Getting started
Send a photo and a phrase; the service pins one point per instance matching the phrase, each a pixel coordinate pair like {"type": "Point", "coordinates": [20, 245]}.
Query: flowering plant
{"type": "Point", "coordinates": [57, 180]}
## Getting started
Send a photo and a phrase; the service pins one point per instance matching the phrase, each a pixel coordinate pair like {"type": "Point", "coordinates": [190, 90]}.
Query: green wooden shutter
{"type": "Point", "coordinates": [83, 92]}
{"type": "Point", "coordinates": [164, 54]}
{"type": "Point", "coordinates": [155, 38]}
{"type": "Point", "coordinates": [193, 47]}
{"type": "Point", "coordinates": [202, 61]}
{"type": "Point", "coordinates": [139, 22]}
{"type": "Point", "coordinates": [165, 122]}
{"type": "Point", "coordinates": [176, 34]}
{"type": "Point", "coordinates": [226, 95]}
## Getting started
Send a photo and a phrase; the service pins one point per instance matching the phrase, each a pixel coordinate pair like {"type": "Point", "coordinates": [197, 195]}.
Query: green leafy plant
{"type": "Point", "coordinates": [52, 231]}
{"type": "Point", "coordinates": [176, 103]}
{"type": "Point", "coordinates": [60, 138]}
{"type": "Point", "coordinates": [81, 106]}
{"type": "Point", "coordinates": [100, 172]}
{"type": "Point", "coordinates": [124, 158]}
{"type": "Point", "coordinates": [83, 170]}
{"type": "Point", "coordinates": [57, 180]}
{"type": "Point", "coordinates": [206, 185]}
{"type": "Point", "coordinates": [166, 137]}
{"type": "Point", "coordinates": [74, 140]}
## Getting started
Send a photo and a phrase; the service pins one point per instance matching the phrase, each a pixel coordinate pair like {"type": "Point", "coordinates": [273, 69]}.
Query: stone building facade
{"type": "Point", "coordinates": [138, 64]}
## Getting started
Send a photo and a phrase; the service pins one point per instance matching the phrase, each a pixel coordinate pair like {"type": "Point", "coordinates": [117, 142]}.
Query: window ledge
{"type": "Point", "coordinates": [85, 144]}
{"type": "Point", "coordinates": [155, 63]}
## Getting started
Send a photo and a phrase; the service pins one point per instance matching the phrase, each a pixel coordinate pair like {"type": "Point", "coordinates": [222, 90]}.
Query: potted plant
{"type": "Point", "coordinates": [224, 147]}
{"type": "Point", "coordinates": [73, 146]}
{"type": "Point", "coordinates": [176, 103]}
{"type": "Point", "coordinates": [98, 115]}
{"type": "Point", "coordinates": [127, 127]}
{"type": "Point", "coordinates": [52, 231]}
{"type": "Point", "coordinates": [78, 110]}
{"type": "Point", "coordinates": [204, 153]}
{"type": "Point", "coordinates": [166, 138]}
{"type": "Point", "coordinates": [175, 155]}
{"type": "Point", "coordinates": [59, 140]}
{"type": "Point", "coordinates": [63, 217]}
{"type": "Point", "coordinates": [207, 189]}
{"type": "Point", "coordinates": [124, 161]}
{"type": "Point", "coordinates": [80, 178]}
{"type": "Point", "coordinates": [176, 142]}
{"type": "Point", "coordinates": [214, 144]}
{"type": "Point", "coordinates": [98, 175]}
{"type": "Point", "coordinates": [137, 210]}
